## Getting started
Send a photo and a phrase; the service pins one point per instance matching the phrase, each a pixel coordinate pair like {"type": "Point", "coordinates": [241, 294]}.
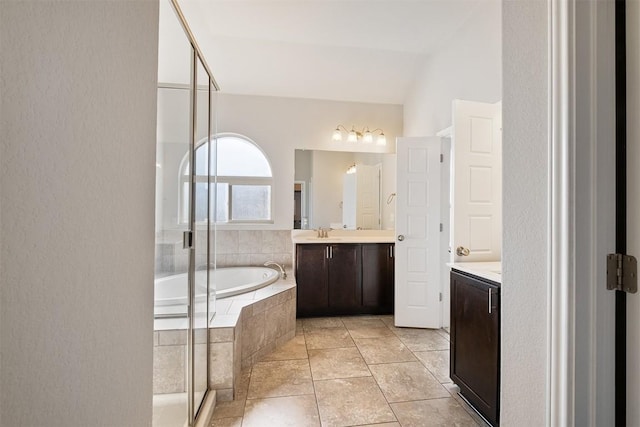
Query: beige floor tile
{"type": "Point", "coordinates": [230, 409]}
{"type": "Point", "coordinates": [280, 378]}
{"type": "Point", "coordinates": [388, 320]}
{"type": "Point", "coordinates": [384, 350]}
{"type": "Point", "coordinates": [422, 339]}
{"type": "Point", "coordinates": [366, 328]}
{"type": "Point", "coordinates": [437, 362]}
{"type": "Point", "coordinates": [445, 332]}
{"type": "Point", "coordinates": [453, 389]}
{"type": "Point", "coordinates": [363, 322]}
{"type": "Point", "coordinates": [337, 363]}
{"type": "Point", "coordinates": [296, 348]}
{"type": "Point", "coordinates": [321, 323]}
{"type": "Point", "coordinates": [291, 411]}
{"type": "Point", "coordinates": [370, 332]}
{"type": "Point", "coordinates": [434, 412]}
{"type": "Point", "coordinates": [381, 425]}
{"type": "Point", "coordinates": [227, 422]}
{"type": "Point", "coordinates": [328, 338]}
{"type": "Point", "coordinates": [352, 401]}
{"type": "Point", "coordinates": [405, 381]}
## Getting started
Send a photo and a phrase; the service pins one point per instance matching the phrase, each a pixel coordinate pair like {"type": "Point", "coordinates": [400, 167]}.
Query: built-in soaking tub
{"type": "Point", "coordinates": [171, 291]}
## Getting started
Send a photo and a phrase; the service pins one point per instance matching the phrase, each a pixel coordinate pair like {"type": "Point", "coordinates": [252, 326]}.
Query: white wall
{"type": "Point", "coordinates": [468, 67]}
{"type": "Point", "coordinates": [77, 189]}
{"type": "Point", "coordinates": [280, 125]}
{"type": "Point", "coordinates": [525, 224]}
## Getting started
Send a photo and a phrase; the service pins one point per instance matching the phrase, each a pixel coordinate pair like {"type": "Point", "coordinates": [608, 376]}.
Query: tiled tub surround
{"type": "Point", "coordinates": [245, 328]}
{"type": "Point", "coordinates": [233, 248]}
{"type": "Point", "coordinates": [253, 247]}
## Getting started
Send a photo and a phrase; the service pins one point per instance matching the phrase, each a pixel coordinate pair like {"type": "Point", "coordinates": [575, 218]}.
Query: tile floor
{"type": "Point", "coordinates": [351, 371]}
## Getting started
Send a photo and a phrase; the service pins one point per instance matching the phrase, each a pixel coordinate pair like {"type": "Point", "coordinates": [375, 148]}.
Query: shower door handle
{"type": "Point", "coordinates": [187, 239]}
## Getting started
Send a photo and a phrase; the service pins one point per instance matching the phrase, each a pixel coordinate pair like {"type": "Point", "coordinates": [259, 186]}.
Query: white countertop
{"type": "Point", "coordinates": [344, 236]}
{"type": "Point", "coordinates": [487, 270]}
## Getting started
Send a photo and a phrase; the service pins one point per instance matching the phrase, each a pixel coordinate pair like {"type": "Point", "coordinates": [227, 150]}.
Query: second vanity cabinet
{"type": "Point", "coordinates": [475, 342]}
{"type": "Point", "coordinates": [344, 278]}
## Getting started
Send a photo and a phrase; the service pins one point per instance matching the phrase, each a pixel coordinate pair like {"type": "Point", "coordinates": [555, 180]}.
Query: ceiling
{"type": "Point", "coordinates": [363, 51]}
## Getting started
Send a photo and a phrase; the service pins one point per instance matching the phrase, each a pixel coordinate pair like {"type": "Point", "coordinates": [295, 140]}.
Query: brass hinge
{"type": "Point", "coordinates": [622, 273]}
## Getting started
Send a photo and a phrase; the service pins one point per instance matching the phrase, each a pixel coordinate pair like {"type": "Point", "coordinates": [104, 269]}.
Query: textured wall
{"type": "Point", "coordinates": [77, 190]}
{"type": "Point", "coordinates": [280, 125]}
{"type": "Point", "coordinates": [466, 67]}
{"type": "Point", "coordinates": [525, 155]}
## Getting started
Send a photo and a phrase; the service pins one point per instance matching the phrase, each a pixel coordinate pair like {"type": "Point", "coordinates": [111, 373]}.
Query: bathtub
{"type": "Point", "coordinates": [171, 292]}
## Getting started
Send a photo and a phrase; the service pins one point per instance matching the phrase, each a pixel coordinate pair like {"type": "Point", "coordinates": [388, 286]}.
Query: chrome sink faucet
{"type": "Point", "coordinates": [283, 274]}
{"type": "Point", "coordinates": [323, 233]}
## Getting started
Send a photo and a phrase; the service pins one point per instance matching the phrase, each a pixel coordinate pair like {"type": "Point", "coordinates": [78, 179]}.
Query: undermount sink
{"type": "Point", "coordinates": [324, 238]}
{"type": "Point", "coordinates": [496, 271]}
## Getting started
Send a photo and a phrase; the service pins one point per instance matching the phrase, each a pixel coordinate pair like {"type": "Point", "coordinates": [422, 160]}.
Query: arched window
{"type": "Point", "coordinates": [243, 181]}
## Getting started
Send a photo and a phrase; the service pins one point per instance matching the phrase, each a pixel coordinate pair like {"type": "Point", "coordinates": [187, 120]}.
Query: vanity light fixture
{"type": "Point", "coordinates": [352, 169]}
{"type": "Point", "coordinates": [354, 135]}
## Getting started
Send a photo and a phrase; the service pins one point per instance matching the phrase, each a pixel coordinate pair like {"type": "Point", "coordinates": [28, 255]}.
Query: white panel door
{"type": "Point", "coordinates": [417, 260]}
{"type": "Point", "coordinates": [476, 181]}
{"type": "Point", "coordinates": [368, 185]}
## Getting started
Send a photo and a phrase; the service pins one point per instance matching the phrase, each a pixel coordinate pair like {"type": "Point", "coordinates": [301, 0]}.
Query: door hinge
{"type": "Point", "coordinates": [622, 273]}
{"type": "Point", "coordinates": [440, 296]}
{"type": "Point", "coordinates": [441, 227]}
{"type": "Point", "coordinates": [441, 158]}
{"type": "Point", "coordinates": [187, 239]}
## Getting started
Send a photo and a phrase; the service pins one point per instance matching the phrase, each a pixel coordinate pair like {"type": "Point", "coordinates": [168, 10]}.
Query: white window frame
{"type": "Point", "coordinates": [230, 180]}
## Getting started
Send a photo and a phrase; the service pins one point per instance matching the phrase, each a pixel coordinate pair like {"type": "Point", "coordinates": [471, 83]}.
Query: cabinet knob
{"type": "Point", "coordinates": [462, 251]}
{"type": "Point", "coordinates": [400, 237]}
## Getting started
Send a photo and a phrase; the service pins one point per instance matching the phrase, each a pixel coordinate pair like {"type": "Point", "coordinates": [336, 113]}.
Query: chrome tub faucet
{"type": "Point", "coordinates": [283, 273]}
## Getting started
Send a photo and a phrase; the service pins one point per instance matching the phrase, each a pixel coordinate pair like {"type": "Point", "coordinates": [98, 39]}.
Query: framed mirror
{"type": "Point", "coordinates": [339, 189]}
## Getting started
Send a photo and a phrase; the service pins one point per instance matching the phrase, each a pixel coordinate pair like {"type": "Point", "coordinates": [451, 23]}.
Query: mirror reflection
{"type": "Point", "coordinates": [339, 189]}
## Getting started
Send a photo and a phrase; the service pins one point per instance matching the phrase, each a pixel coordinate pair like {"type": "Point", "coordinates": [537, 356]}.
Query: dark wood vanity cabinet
{"type": "Point", "coordinates": [378, 276]}
{"type": "Point", "coordinates": [313, 280]}
{"type": "Point", "coordinates": [344, 278]}
{"type": "Point", "coordinates": [475, 342]}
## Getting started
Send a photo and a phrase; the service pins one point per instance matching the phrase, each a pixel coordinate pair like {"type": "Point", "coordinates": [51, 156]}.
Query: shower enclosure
{"type": "Point", "coordinates": [185, 228]}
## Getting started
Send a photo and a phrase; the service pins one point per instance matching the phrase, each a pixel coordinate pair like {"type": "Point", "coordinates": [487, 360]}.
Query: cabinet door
{"type": "Point", "coordinates": [345, 292]}
{"type": "Point", "coordinates": [378, 277]}
{"type": "Point", "coordinates": [311, 278]}
{"type": "Point", "coordinates": [475, 342]}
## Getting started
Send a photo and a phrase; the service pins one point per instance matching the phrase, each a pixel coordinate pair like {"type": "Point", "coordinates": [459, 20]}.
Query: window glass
{"type": "Point", "coordinates": [243, 182]}
{"type": "Point", "coordinates": [222, 205]}
{"type": "Point", "coordinates": [251, 202]}
{"type": "Point", "coordinates": [239, 157]}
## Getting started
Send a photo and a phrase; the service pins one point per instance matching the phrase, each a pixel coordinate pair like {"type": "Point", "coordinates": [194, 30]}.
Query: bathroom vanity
{"type": "Point", "coordinates": [475, 335]}
{"type": "Point", "coordinates": [346, 273]}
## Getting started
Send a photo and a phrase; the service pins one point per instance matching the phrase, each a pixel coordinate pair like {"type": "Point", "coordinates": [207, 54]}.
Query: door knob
{"type": "Point", "coordinates": [400, 237]}
{"type": "Point", "coordinates": [462, 251]}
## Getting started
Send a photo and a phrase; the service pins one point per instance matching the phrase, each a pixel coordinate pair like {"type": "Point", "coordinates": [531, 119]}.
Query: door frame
{"type": "Point", "coordinates": [582, 171]}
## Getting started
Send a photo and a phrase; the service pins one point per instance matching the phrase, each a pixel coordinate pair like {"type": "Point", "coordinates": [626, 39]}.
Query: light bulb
{"type": "Point", "coordinates": [382, 140]}
{"type": "Point", "coordinates": [368, 137]}
{"type": "Point", "coordinates": [337, 135]}
{"type": "Point", "coordinates": [353, 136]}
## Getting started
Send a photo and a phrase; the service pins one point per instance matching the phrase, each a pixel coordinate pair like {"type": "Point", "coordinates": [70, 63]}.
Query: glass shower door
{"type": "Point", "coordinates": [200, 226]}
{"type": "Point", "coordinates": [172, 201]}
